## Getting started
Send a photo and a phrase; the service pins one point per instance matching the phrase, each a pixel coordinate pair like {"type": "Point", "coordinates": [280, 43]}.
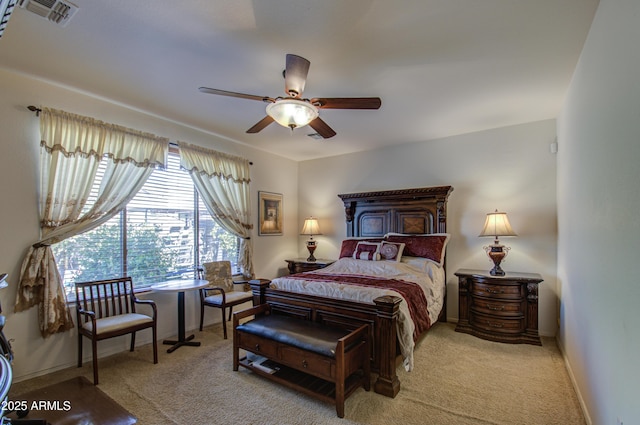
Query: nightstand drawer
{"type": "Point", "coordinates": [513, 292]}
{"type": "Point", "coordinates": [495, 307]}
{"type": "Point", "coordinates": [497, 324]}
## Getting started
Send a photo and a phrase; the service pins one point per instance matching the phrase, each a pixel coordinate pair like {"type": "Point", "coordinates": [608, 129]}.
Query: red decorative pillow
{"type": "Point", "coordinates": [367, 251]}
{"type": "Point", "coordinates": [430, 246]}
{"type": "Point", "coordinates": [349, 246]}
{"type": "Point", "coordinates": [391, 251]}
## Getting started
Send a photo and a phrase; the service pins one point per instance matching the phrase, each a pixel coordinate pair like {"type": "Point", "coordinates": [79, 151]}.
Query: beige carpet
{"type": "Point", "coordinates": [458, 379]}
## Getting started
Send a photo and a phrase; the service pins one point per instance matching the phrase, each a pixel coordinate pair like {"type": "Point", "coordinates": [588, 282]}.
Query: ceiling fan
{"type": "Point", "coordinates": [293, 111]}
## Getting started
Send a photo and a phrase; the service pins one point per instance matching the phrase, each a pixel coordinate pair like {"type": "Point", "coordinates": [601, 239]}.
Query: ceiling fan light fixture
{"type": "Point", "coordinates": [292, 113]}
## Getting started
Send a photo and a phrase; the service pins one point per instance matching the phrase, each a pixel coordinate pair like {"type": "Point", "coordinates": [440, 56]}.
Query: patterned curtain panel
{"type": "Point", "coordinates": [222, 181]}
{"type": "Point", "coordinates": [71, 149]}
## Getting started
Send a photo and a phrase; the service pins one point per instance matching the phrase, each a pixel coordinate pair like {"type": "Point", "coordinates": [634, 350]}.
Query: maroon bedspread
{"type": "Point", "coordinates": [411, 292]}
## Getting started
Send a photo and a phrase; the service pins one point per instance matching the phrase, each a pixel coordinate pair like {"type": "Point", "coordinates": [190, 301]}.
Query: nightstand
{"type": "Point", "coordinates": [499, 308]}
{"type": "Point", "coordinates": [299, 265]}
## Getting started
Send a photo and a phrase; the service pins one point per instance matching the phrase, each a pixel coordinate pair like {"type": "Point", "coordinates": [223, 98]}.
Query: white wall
{"type": "Point", "coordinates": [510, 169]}
{"type": "Point", "coordinates": [19, 156]}
{"type": "Point", "coordinates": [599, 229]}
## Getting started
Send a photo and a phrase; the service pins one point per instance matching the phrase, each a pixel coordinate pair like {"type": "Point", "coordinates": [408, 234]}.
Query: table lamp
{"type": "Point", "coordinates": [497, 224]}
{"type": "Point", "coordinates": [311, 228]}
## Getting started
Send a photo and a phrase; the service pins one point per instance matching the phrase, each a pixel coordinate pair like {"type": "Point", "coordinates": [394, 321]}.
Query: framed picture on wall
{"type": "Point", "coordinates": [270, 213]}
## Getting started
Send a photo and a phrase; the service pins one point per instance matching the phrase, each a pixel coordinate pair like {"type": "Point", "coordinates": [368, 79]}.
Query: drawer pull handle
{"type": "Point", "coordinates": [494, 325]}
{"type": "Point", "coordinates": [494, 308]}
{"type": "Point", "coordinates": [257, 347]}
{"type": "Point", "coordinates": [495, 291]}
{"type": "Point", "coordinates": [304, 364]}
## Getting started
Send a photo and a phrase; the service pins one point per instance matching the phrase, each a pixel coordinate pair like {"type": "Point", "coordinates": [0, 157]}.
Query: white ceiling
{"type": "Point", "coordinates": [441, 67]}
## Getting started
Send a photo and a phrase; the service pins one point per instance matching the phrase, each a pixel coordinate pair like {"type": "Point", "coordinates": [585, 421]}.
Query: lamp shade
{"type": "Point", "coordinates": [292, 113]}
{"type": "Point", "coordinates": [497, 224]}
{"type": "Point", "coordinates": [310, 227]}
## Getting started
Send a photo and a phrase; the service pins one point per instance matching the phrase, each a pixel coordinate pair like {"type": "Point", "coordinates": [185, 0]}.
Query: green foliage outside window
{"type": "Point", "coordinates": [97, 255]}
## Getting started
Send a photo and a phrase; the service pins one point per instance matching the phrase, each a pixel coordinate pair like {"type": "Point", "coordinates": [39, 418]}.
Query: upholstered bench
{"type": "Point", "coordinates": [338, 358]}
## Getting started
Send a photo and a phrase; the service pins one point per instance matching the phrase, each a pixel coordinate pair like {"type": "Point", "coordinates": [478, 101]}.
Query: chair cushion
{"type": "Point", "coordinates": [231, 298]}
{"type": "Point", "coordinates": [303, 334]}
{"type": "Point", "coordinates": [118, 322]}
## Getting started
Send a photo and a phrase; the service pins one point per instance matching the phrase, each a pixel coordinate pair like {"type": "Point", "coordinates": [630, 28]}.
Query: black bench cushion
{"type": "Point", "coordinates": [303, 334]}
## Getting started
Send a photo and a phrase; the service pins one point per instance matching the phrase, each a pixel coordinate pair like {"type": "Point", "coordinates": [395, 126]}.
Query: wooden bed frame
{"type": "Point", "coordinates": [369, 214]}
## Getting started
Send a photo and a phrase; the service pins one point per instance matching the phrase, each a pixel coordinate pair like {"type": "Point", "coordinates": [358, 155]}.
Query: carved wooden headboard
{"type": "Point", "coordinates": [409, 211]}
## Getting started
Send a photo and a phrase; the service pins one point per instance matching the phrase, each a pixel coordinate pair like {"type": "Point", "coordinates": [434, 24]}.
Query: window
{"type": "Point", "coordinates": [163, 234]}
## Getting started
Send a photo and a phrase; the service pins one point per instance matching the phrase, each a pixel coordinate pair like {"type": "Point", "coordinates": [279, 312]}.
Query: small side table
{"type": "Point", "coordinates": [180, 286]}
{"type": "Point", "coordinates": [499, 308]}
{"type": "Point", "coordinates": [299, 265]}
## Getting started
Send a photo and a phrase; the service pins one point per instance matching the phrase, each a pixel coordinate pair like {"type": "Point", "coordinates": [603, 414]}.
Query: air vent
{"type": "Point", "coordinates": [316, 136]}
{"type": "Point", "coordinates": [56, 11]}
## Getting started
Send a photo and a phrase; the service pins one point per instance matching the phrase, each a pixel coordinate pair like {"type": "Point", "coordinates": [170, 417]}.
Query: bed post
{"type": "Point", "coordinates": [349, 212]}
{"type": "Point", "coordinates": [258, 288]}
{"type": "Point", "coordinates": [442, 217]}
{"type": "Point", "coordinates": [387, 383]}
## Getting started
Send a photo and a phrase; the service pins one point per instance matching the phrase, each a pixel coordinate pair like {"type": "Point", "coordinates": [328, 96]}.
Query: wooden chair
{"type": "Point", "coordinates": [106, 309]}
{"type": "Point", "coordinates": [220, 293]}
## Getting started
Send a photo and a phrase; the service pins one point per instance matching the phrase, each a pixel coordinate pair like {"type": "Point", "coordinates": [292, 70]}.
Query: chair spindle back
{"type": "Point", "coordinates": [106, 298]}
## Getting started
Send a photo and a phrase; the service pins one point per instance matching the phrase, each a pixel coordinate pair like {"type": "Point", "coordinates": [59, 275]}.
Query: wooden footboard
{"type": "Point", "coordinates": [381, 318]}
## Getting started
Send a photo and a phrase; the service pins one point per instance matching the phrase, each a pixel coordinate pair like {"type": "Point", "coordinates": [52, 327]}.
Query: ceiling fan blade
{"type": "Point", "coordinates": [295, 75]}
{"type": "Point", "coordinates": [322, 128]}
{"type": "Point", "coordinates": [347, 102]}
{"type": "Point", "coordinates": [260, 125]}
{"type": "Point", "coordinates": [234, 94]}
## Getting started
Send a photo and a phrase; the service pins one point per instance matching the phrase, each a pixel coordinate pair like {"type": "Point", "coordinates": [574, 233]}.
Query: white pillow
{"type": "Point", "coordinates": [369, 251]}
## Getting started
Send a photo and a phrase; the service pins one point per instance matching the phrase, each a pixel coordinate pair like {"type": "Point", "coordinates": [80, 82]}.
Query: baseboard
{"type": "Point", "coordinates": [567, 365]}
{"type": "Point", "coordinates": [104, 350]}
{"type": "Point", "coordinates": [43, 372]}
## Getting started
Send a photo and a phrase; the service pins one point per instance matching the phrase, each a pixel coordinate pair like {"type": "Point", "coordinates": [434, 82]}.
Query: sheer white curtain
{"type": "Point", "coordinates": [222, 181]}
{"type": "Point", "coordinates": [71, 149]}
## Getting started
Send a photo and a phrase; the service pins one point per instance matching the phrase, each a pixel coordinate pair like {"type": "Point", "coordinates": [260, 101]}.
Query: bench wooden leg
{"type": "Point", "coordinates": [340, 378]}
{"type": "Point", "coordinates": [366, 365]}
{"type": "Point", "coordinates": [340, 398]}
{"type": "Point", "coordinates": [236, 352]}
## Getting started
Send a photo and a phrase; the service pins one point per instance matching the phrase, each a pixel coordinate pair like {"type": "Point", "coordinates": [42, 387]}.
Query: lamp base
{"type": "Point", "coordinates": [311, 246]}
{"type": "Point", "coordinates": [497, 271]}
{"type": "Point", "coordinates": [496, 253]}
